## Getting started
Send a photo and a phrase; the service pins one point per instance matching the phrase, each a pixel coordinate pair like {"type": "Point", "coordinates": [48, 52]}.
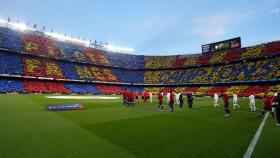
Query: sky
{"type": "Point", "coordinates": [153, 27]}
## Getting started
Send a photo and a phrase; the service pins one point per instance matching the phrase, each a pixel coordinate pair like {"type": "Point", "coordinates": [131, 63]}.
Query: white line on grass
{"type": "Point", "coordinates": [253, 143]}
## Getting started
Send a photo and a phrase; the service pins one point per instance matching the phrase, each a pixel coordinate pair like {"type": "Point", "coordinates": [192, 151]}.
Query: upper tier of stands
{"type": "Point", "coordinates": [26, 65]}
{"type": "Point", "coordinates": [42, 45]}
{"type": "Point", "coordinates": [214, 57]}
{"type": "Point", "coordinates": [39, 44]}
{"type": "Point", "coordinates": [261, 69]}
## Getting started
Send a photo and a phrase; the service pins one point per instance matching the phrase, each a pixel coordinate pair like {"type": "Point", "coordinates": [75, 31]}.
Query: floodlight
{"type": "Point", "coordinates": [20, 26]}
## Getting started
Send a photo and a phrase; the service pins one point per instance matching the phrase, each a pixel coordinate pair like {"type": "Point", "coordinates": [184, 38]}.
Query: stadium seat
{"type": "Point", "coordinates": [10, 63]}
{"type": "Point", "coordinates": [10, 85]}
{"type": "Point", "coordinates": [110, 89]}
{"type": "Point", "coordinates": [33, 86]}
{"type": "Point", "coordinates": [10, 39]}
{"type": "Point", "coordinates": [82, 88]}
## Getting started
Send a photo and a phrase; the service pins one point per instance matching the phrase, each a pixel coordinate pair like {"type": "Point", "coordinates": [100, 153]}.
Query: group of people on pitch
{"type": "Point", "coordinates": [171, 97]}
{"type": "Point", "coordinates": [147, 96]}
{"type": "Point", "coordinates": [129, 98]}
{"type": "Point", "coordinates": [269, 102]}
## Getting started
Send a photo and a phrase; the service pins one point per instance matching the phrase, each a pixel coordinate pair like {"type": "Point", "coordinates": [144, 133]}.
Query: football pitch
{"type": "Point", "coordinates": [106, 128]}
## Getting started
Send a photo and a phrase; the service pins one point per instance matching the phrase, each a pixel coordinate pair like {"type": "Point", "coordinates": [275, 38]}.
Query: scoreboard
{"type": "Point", "coordinates": [222, 45]}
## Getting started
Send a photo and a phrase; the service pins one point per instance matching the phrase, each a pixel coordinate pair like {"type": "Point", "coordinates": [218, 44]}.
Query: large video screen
{"type": "Point", "coordinates": [222, 45]}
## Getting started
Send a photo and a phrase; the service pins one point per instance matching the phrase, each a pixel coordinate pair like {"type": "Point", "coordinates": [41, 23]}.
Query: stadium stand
{"type": "Point", "coordinates": [10, 85]}
{"type": "Point", "coordinates": [217, 89]}
{"type": "Point", "coordinates": [272, 48]}
{"type": "Point", "coordinates": [204, 59]}
{"type": "Point", "coordinates": [217, 57]}
{"type": "Point", "coordinates": [44, 87]}
{"type": "Point", "coordinates": [68, 70]}
{"type": "Point", "coordinates": [110, 89]}
{"type": "Point", "coordinates": [41, 67]}
{"type": "Point", "coordinates": [132, 61]}
{"type": "Point", "coordinates": [258, 90]}
{"type": "Point", "coordinates": [79, 69]}
{"type": "Point", "coordinates": [180, 60]}
{"type": "Point", "coordinates": [10, 39]}
{"type": "Point", "coordinates": [154, 90]}
{"type": "Point", "coordinates": [129, 76]}
{"type": "Point", "coordinates": [10, 63]}
{"type": "Point", "coordinates": [133, 88]}
{"type": "Point", "coordinates": [191, 60]}
{"type": "Point", "coordinates": [248, 71]}
{"type": "Point", "coordinates": [36, 44]}
{"type": "Point", "coordinates": [82, 88]}
{"type": "Point", "coordinates": [159, 61]}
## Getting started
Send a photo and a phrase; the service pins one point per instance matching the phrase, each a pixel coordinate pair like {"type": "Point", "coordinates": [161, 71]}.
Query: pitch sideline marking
{"type": "Point", "coordinates": [253, 143]}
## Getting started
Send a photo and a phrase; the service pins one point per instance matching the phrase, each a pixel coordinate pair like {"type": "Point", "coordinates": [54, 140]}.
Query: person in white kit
{"type": "Point", "coordinates": [168, 97]}
{"type": "Point", "coordinates": [274, 100]}
{"type": "Point", "coordinates": [151, 97]}
{"type": "Point", "coordinates": [177, 98]}
{"type": "Point", "coordinates": [252, 102]}
{"type": "Point", "coordinates": [235, 104]}
{"type": "Point", "coordinates": [216, 98]}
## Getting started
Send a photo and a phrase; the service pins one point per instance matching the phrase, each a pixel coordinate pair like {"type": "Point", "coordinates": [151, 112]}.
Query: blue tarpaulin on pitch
{"type": "Point", "coordinates": [58, 107]}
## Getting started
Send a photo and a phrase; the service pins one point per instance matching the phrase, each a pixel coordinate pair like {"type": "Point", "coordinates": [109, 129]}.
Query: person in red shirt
{"type": "Point", "coordinates": [267, 107]}
{"type": "Point", "coordinates": [171, 102]}
{"type": "Point", "coordinates": [226, 105]}
{"type": "Point", "coordinates": [147, 96]}
{"type": "Point", "coordinates": [160, 97]}
{"type": "Point", "coordinates": [136, 95]}
{"type": "Point", "coordinates": [143, 96]}
{"type": "Point", "coordinates": [124, 97]}
{"type": "Point", "coordinates": [131, 99]}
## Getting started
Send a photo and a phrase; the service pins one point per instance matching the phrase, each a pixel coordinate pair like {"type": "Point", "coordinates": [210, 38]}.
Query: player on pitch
{"type": "Point", "coordinates": [181, 100]}
{"type": "Point", "coordinates": [190, 100]}
{"type": "Point", "coordinates": [277, 108]}
{"type": "Point", "coordinates": [168, 97]}
{"type": "Point", "coordinates": [216, 99]}
{"type": "Point", "coordinates": [171, 102]}
{"type": "Point", "coordinates": [160, 97]}
{"type": "Point", "coordinates": [226, 105]}
{"type": "Point", "coordinates": [252, 103]}
{"type": "Point", "coordinates": [136, 95]}
{"type": "Point", "coordinates": [267, 100]}
{"type": "Point", "coordinates": [143, 96]}
{"type": "Point", "coordinates": [235, 101]}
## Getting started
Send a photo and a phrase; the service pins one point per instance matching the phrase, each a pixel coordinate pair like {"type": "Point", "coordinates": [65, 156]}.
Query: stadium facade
{"type": "Point", "coordinates": [31, 62]}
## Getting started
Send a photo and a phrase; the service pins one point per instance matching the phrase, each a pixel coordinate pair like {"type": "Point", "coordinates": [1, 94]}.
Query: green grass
{"type": "Point", "coordinates": [108, 129]}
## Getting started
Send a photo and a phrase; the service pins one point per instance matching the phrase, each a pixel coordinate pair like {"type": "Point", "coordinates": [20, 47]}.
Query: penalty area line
{"type": "Point", "coordinates": [253, 143]}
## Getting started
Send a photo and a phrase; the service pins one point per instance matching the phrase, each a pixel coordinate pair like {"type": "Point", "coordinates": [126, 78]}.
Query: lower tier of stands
{"type": "Point", "coordinates": [8, 85]}
{"type": "Point", "coordinates": [44, 87]}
